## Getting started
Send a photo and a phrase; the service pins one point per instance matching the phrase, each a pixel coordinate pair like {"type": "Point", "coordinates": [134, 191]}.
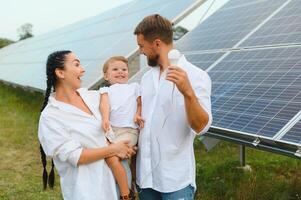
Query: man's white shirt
{"type": "Point", "coordinates": [165, 159]}
{"type": "Point", "coordinates": [64, 131]}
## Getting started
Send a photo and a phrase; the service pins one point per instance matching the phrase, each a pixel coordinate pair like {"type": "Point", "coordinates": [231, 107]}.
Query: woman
{"type": "Point", "coordinates": [70, 132]}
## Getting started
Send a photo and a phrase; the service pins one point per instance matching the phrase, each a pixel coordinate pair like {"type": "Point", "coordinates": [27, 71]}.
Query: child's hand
{"type": "Point", "coordinates": [105, 125]}
{"type": "Point", "coordinates": [139, 120]}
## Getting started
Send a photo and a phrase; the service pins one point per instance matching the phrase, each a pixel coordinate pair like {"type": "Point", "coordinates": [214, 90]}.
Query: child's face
{"type": "Point", "coordinates": [117, 72]}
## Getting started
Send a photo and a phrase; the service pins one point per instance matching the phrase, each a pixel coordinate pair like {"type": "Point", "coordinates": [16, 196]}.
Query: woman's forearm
{"type": "Point", "coordinates": [121, 149]}
{"type": "Point", "coordinates": [91, 155]}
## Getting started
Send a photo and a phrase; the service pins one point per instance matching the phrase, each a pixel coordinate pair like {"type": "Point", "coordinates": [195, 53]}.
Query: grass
{"type": "Point", "coordinates": [20, 166]}
{"type": "Point", "coordinates": [273, 177]}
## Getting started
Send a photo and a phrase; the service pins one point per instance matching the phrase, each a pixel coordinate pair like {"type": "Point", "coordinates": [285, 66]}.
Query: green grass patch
{"type": "Point", "coordinates": [273, 177]}
{"type": "Point", "coordinates": [20, 166]}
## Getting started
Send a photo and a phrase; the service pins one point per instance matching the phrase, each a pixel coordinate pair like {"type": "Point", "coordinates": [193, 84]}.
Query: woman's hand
{"type": "Point", "coordinates": [123, 150]}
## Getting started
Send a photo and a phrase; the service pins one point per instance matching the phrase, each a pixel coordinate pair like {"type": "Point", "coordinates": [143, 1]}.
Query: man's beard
{"type": "Point", "coordinates": [153, 62]}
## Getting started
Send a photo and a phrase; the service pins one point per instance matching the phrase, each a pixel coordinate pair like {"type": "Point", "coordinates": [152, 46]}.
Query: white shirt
{"type": "Point", "coordinates": [64, 131]}
{"type": "Point", "coordinates": [123, 103]}
{"type": "Point", "coordinates": [165, 159]}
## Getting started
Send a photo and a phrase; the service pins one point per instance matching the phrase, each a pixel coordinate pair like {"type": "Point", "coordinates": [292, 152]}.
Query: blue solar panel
{"type": "Point", "coordinates": [283, 28]}
{"type": "Point", "coordinates": [203, 61]}
{"type": "Point", "coordinates": [229, 25]}
{"type": "Point", "coordinates": [257, 91]}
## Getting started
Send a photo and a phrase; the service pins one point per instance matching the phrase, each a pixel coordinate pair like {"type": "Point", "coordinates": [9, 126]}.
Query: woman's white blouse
{"type": "Point", "coordinates": [64, 131]}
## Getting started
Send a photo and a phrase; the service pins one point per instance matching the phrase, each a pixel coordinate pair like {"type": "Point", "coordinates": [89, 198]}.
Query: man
{"type": "Point", "coordinates": [175, 106]}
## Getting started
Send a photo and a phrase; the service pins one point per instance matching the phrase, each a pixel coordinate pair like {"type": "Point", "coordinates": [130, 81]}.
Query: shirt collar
{"type": "Point", "coordinates": [65, 106]}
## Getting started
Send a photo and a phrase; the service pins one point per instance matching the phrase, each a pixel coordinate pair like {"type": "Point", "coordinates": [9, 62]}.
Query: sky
{"type": "Point", "coordinates": [47, 15]}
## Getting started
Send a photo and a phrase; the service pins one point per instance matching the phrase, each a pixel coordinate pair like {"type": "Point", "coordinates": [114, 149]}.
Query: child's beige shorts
{"type": "Point", "coordinates": [125, 133]}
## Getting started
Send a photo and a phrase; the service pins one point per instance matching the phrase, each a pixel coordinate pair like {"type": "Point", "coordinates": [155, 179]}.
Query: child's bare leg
{"type": "Point", "coordinates": [133, 170]}
{"type": "Point", "coordinates": [119, 174]}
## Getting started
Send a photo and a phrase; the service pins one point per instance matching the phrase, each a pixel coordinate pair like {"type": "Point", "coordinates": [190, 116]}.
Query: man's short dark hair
{"type": "Point", "coordinates": [155, 27]}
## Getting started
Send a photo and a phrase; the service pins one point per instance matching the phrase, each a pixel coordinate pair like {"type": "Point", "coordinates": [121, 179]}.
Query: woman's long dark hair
{"type": "Point", "coordinates": [55, 60]}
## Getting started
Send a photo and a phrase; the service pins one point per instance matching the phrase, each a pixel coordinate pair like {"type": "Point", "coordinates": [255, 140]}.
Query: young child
{"type": "Point", "coordinates": [120, 108]}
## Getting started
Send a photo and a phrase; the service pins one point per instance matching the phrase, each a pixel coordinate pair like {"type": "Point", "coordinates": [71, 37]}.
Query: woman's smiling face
{"type": "Point", "coordinates": [72, 72]}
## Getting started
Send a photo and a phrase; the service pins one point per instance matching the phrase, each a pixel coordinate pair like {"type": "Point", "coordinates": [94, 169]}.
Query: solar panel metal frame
{"type": "Point", "coordinates": [287, 128]}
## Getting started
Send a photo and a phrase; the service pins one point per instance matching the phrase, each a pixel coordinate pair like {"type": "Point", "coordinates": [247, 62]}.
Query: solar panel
{"type": "Point", "coordinates": [283, 28]}
{"type": "Point", "coordinates": [204, 60]}
{"type": "Point", "coordinates": [229, 25]}
{"type": "Point", "coordinates": [257, 91]}
{"type": "Point", "coordinates": [94, 40]}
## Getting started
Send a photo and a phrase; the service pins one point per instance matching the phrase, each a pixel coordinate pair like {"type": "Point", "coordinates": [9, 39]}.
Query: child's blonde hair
{"type": "Point", "coordinates": [113, 59]}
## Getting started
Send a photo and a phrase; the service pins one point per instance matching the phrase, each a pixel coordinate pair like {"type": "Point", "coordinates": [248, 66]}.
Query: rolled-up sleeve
{"type": "Point", "coordinates": [57, 142]}
{"type": "Point", "coordinates": [202, 90]}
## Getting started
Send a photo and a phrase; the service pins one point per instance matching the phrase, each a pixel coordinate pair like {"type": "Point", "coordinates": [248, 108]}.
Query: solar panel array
{"type": "Point", "coordinates": [252, 52]}
{"type": "Point", "coordinates": [94, 40]}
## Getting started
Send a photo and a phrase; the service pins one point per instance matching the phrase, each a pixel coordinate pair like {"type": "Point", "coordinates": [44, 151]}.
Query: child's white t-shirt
{"type": "Point", "coordinates": [123, 103]}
